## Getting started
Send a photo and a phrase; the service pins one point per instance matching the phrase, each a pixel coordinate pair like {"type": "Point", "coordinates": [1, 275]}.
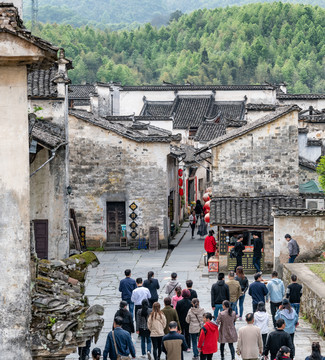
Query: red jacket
{"type": "Point", "coordinates": [210, 244]}
{"type": "Point", "coordinates": [208, 340]}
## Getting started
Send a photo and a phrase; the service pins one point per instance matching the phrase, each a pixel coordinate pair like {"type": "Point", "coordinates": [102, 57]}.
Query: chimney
{"type": "Point", "coordinates": [17, 3]}
{"type": "Point", "coordinates": [94, 104]}
{"type": "Point", "coordinates": [283, 87]}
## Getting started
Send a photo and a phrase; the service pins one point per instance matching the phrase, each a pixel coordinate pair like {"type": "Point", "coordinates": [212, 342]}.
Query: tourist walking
{"type": "Point", "coordinates": [143, 331]}
{"type": "Point", "coordinates": [257, 251]}
{"type": "Point", "coordinates": [283, 353]}
{"type": "Point", "coordinates": [289, 315]}
{"type": "Point", "coordinates": [152, 285]}
{"type": "Point", "coordinates": [96, 354]}
{"type": "Point", "coordinates": [315, 352]}
{"type": "Point", "coordinates": [293, 248]}
{"type": "Point", "coordinates": [156, 325]}
{"type": "Point", "coordinates": [171, 285]}
{"type": "Point", "coordinates": [210, 244]}
{"type": "Point", "coordinates": [126, 287]}
{"type": "Point", "coordinates": [243, 281]}
{"type": "Point", "coordinates": [170, 314]}
{"type": "Point", "coordinates": [189, 284]}
{"type": "Point", "coordinates": [192, 219]}
{"type": "Point", "coordinates": [182, 308]}
{"type": "Point", "coordinates": [276, 293]}
{"type": "Point", "coordinates": [261, 320]}
{"type": "Point", "coordinates": [127, 317]}
{"type": "Point", "coordinates": [208, 339]}
{"type": "Point", "coordinates": [219, 293]}
{"type": "Point", "coordinates": [278, 338]}
{"type": "Point", "coordinates": [234, 290]}
{"type": "Point", "coordinates": [294, 293]}
{"type": "Point", "coordinates": [194, 318]}
{"type": "Point", "coordinates": [239, 248]}
{"type": "Point", "coordinates": [249, 344]}
{"type": "Point", "coordinates": [118, 342]}
{"type": "Point", "coordinates": [257, 290]}
{"type": "Point", "coordinates": [139, 294]}
{"type": "Point", "coordinates": [173, 344]}
{"type": "Point", "coordinates": [199, 211]}
{"type": "Point", "coordinates": [178, 296]}
{"type": "Point", "coordinates": [227, 331]}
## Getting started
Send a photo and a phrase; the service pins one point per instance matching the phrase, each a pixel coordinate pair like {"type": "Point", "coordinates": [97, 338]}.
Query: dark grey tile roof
{"type": "Point", "coordinates": [285, 211]}
{"type": "Point", "coordinates": [40, 83]}
{"type": "Point", "coordinates": [157, 108]}
{"type": "Point", "coordinates": [136, 131]}
{"type": "Point", "coordinates": [255, 211]}
{"type": "Point", "coordinates": [317, 118]}
{"type": "Point", "coordinates": [261, 107]}
{"type": "Point", "coordinates": [208, 131]}
{"type": "Point", "coordinates": [282, 96]}
{"type": "Point", "coordinates": [314, 142]}
{"type": "Point", "coordinates": [189, 152]}
{"type": "Point", "coordinates": [48, 134]}
{"type": "Point", "coordinates": [228, 110]}
{"type": "Point", "coordinates": [279, 112]}
{"type": "Point", "coordinates": [173, 87]}
{"type": "Point", "coordinates": [78, 92]}
{"type": "Point", "coordinates": [307, 163]}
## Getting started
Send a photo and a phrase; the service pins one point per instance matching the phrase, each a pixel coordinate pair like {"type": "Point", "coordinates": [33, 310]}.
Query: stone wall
{"type": "Point", "coordinates": [306, 175]}
{"type": "Point", "coordinates": [313, 299]}
{"type": "Point", "coordinates": [261, 162]}
{"type": "Point", "coordinates": [106, 167]}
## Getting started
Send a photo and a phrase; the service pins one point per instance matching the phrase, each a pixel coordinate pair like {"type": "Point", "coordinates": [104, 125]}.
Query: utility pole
{"type": "Point", "coordinates": [34, 14]}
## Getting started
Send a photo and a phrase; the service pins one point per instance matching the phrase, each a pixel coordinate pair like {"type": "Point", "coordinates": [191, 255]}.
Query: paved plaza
{"type": "Point", "coordinates": [187, 260]}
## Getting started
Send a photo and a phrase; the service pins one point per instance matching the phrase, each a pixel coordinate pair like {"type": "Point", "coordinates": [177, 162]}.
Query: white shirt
{"type": "Point", "coordinates": [139, 294]}
{"type": "Point", "coordinates": [261, 320]}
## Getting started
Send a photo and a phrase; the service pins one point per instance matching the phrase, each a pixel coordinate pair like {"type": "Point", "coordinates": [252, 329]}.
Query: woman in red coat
{"type": "Point", "coordinates": [210, 244]}
{"type": "Point", "coordinates": [208, 340]}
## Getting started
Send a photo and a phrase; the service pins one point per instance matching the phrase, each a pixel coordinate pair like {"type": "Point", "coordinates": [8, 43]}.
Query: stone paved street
{"type": "Point", "coordinates": [187, 260]}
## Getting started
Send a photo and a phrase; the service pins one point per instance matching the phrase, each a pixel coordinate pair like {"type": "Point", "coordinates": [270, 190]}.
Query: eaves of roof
{"type": "Point", "coordinates": [196, 87]}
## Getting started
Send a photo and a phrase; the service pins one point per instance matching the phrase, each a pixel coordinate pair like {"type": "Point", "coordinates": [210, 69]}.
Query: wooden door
{"type": "Point", "coordinates": [115, 218]}
{"type": "Point", "coordinates": [41, 238]}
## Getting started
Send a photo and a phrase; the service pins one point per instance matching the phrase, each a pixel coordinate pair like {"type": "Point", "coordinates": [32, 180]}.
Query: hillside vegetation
{"type": "Point", "coordinates": [235, 45]}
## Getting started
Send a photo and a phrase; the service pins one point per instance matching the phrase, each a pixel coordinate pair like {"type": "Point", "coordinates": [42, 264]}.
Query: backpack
{"type": "Point", "coordinates": [233, 254]}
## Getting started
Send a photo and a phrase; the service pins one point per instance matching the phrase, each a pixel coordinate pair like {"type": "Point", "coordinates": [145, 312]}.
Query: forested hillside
{"type": "Point", "coordinates": [234, 45]}
{"type": "Point", "coordinates": [127, 13]}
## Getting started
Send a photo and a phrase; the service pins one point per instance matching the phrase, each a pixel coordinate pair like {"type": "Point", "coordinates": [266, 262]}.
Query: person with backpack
{"type": "Point", "coordinates": [210, 245]}
{"type": "Point", "coordinates": [294, 293]}
{"type": "Point", "coordinates": [143, 331]}
{"type": "Point", "coordinates": [293, 248]}
{"type": "Point", "coordinates": [208, 340]}
{"type": "Point", "coordinates": [127, 317]}
{"type": "Point", "coordinates": [152, 285]}
{"type": "Point", "coordinates": [194, 318]}
{"type": "Point", "coordinates": [192, 220]}
{"type": "Point", "coordinates": [156, 324]}
{"type": "Point", "coordinates": [171, 285]}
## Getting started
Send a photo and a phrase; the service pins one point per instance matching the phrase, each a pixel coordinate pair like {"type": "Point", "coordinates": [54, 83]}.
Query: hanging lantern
{"type": "Point", "coordinates": [181, 192]}
{"type": "Point", "coordinates": [180, 172]}
{"type": "Point", "coordinates": [208, 204]}
{"type": "Point", "coordinates": [206, 197]}
{"type": "Point", "coordinates": [180, 182]}
{"type": "Point", "coordinates": [207, 218]}
{"type": "Point", "coordinates": [208, 190]}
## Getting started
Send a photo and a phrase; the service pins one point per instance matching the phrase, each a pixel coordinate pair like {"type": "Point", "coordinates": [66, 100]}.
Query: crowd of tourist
{"type": "Point", "coordinates": [183, 325]}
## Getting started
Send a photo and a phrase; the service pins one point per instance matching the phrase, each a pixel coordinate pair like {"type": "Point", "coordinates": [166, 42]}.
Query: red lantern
{"type": "Point", "coordinates": [180, 172]}
{"type": "Point", "coordinates": [206, 197]}
{"type": "Point", "coordinates": [180, 182]}
{"type": "Point", "coordinates": [208, 204]}
{"type": "Point", "coordinates": [181, 192]}
{"type": "Point", "coordinates": [207, 218]}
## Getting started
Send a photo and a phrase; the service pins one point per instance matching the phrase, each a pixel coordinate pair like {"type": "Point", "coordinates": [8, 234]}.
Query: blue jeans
{"type": "Point", "coordinates": [143, 344]}
{"type": "Point", "coordinates": [233, 305]}
{"type": "Point", "coordinates": [292, 259]}
{"type": "Point", "coordinates": [241, 305]}
{"type": "Point", "coordinates": [257, 263]}
{"type": "Point", "coordinates": [194, 338]}
{"type": "Point", "coordinates": [131, 307]}
{"type": "Point", "coordinates": [218, 307]}
{"type": "Point", "coordinates": [296, 306]}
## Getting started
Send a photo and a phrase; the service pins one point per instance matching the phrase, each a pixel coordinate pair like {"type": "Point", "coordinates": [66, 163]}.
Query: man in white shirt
{"type": "Point", "coordinates": [139, 294]}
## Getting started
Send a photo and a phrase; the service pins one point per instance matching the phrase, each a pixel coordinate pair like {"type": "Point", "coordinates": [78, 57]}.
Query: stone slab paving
{"type": "Point", "coordinates": [187, 260]}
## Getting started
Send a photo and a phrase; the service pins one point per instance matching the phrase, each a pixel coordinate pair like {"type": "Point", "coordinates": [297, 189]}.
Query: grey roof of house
{"type": "Point", "coordinates": [48, 134]}
{"type": "Point", "coordinates": [228, 110]}
{"type": "Point", "coordinates": [81, 92]}
{"type": "Point", "coordinates": [279, 112]}
{"type": "Point", "coordinates": [208, 131]}
{"type": "Point", "coordinates": [255, 211]}
{"type": "Point", "coordinates": [316, 118]}
{"type": "Point", "coordinates": [157, 108]}
{"type": "Point", "coordinates": [173, 87]}
{"type": "Point", "coordinates": [292, 211]}
{"type": "Point", "coordinates": [136, 131]}
{"type": "Point", "coordinates": [261, 107]}
{"type": "Point", "coordinates": [307, 163]}
{"type": "Point", "coordinates": [40, 84]}
{"type": "Point", "coordinates": [283, 96]}
{"type": "Point", "coordinates": [190, 153]}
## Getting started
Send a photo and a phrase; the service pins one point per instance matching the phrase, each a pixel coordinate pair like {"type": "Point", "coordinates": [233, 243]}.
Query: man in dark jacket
{"type": "Point", "coordinates": [257, 290]}
{"type": "Point", "coordinates": [182, 308]}
{"type": "Point", "coordinates": [189, 284]}
{"type": "Point", "coordinates": [239, 248]}
{"type": "Point", "coordinates": [294, 293]}
{"type": "Point", "coordinates": [219, 293]}
{"type": "Point", "coordinates": [257, 252]}
{"type": "Point", "coordinates": [170, 314]}
{"type": "Point", "coordinates": [293, 248]}
{"type": "Point", "coordinates": [173, 344]}
{"type": "Point", "coordinates": [126, 287]}
{"type": "Point", "coordinates": [278, 338]}
{"type": "Point", "coordinates": [123, 342]}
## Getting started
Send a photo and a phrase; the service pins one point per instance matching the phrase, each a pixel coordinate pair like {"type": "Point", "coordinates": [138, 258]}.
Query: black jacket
{"type": "Point", "coordinates": [152, 286]}
{"type": "Point", "coordinates": [193, 294]}
{"type": "Point", "coordinates": [258, 245]}
{"type": "Point", "coordinates": [219, 293]}
{"type": "Point", "coordinates": [275, 340]}
{"type": "Point", "coordinates": [127, 320]}
{"type": "Point", "coordinates": [243, 283]}
{"type": "Point", "coordinates": [294, 293]}
{"type": "Point", "coordinates": [239, 247]}
{"type": "Point", "coordinates": [182, 308]}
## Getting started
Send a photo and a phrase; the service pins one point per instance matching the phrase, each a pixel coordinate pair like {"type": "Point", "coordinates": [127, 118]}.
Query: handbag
{"type": "Point", "coordinates": [119, 356]}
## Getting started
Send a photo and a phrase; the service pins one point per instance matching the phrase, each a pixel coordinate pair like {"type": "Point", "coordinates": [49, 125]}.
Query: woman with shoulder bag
{"type": "Point", "coordinates": [194, 318]}
{"type": "Point", "coordinates": [156, 324]}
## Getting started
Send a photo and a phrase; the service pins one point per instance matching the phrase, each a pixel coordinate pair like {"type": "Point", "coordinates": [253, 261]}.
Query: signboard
{"type": "Point", "coordinates": [82, 233]}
